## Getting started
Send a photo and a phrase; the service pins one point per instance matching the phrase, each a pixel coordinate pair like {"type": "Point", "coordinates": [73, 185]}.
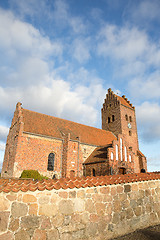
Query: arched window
{"type": "Point", "coordinates": [113, 118]}
{"type": "Point", "coordinates": [130, 118]}
{"type": "Point", "coordinates": [130, 133]}
{"type": "Point", "coordinates": [51, 158]}
{"type": "Point", "coordinates": [94, 172]}
{"type": "Point", "coordinates": [109, 120]}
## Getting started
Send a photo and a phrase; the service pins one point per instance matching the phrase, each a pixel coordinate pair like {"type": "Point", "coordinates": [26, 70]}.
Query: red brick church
{"type": "Point", "coordinates": [61, 148]}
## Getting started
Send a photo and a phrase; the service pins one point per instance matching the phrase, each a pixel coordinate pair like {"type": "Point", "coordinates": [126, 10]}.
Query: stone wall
{"type": "Point", "coordinates": [101, 212]}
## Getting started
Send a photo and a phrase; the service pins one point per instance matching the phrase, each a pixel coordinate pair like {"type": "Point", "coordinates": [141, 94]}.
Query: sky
{"type": "Point", "coordinates": [59, 57]}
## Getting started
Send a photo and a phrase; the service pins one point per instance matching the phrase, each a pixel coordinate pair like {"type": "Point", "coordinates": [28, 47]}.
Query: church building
{"type": "Point", "coordinates": [61, 148]}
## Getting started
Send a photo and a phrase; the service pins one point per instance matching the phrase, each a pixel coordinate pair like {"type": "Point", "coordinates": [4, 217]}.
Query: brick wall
{"type": "Point", "coordinates": [31, 152]}
{"type": "Point", "coordinates": [13, 139]}
{"type": "Point", "coordinates": [133, 139]}
{"type": "Point", "coordinates": [111, 107]}
{"type": "Point", "coordinates": [88, 213]}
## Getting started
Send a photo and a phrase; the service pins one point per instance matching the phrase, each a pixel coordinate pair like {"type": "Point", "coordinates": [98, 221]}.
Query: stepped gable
{"type": "Point", "coordinates": [98, 155]}
{"type": "Point", "coordinates": [16, 185]}
{"type": "Point", "coordinates": [123, 100]}
{"type": "Point", "coordinates": [41, 124]}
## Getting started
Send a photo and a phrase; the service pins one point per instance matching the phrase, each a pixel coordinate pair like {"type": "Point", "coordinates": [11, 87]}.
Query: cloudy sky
{"type": "Point", "coordinates": [59, 57]}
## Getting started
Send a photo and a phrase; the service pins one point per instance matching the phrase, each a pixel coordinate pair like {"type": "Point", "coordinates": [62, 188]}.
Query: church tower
{"type": "Point", "coordinates": [118, 116]}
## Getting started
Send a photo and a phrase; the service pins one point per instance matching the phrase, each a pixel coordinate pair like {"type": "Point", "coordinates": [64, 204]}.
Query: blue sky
{"type": "Point", "coordinates": [59, 57]}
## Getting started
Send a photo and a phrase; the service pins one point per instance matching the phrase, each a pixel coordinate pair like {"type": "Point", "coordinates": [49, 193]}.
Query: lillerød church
{"type": "Point", "coordinates": [61, 148]}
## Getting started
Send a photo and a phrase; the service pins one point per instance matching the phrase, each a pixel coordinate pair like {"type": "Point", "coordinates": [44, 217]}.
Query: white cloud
{"type": "Point", "coordinates": [22, 37]}
{"type": "Point", "coordinates": [135, 57]}
{"type": "Point", "coordinates": [122, 43]}
{"type": "Point", "coordinates": [33, 9]}
{"type": "Point", "coordinates": [148, 116]}
{"type": "Point", "coordinates": [146, 87]}
{"type": "Point", "coordinates": [77, 25]}
{"type": "Point", "coordinates": [62, 15]}
{"type": "Point", "coordinates": [28, 75]}
{"type": "Point", "coordinates": [130, 46]}
{"type": "Point", "coordinates": [2, 146]}
{"type": "Point", "coordinates": [81, 50]}
{"type": "Point", "coordinates": [153, 163]}
{"type": "Point", "coordinates": [58, 99]}
{"type": "Point", "coordinates": [146, 10]}
{"type": "Point", "coordinates": [24, 52]}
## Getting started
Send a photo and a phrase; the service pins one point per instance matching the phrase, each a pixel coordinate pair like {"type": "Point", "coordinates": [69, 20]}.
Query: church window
{"type": "Point", "coordinates": [130, 118]}
{"type": "Point", "coordinates": [130, 158]}
{"type": "Point", "coordinates": [121, 149]}
{"type": "Point", "coordinates": [109, 119]}
{"type": "Point", "coordinates": [51, 158]}
{"type": "Point", "coordinates": [125, 152]}
{"type": "Point", "coordinates": [116, 152]}
{"type": "Point", "coordinates": [111, 155]}
{"type": "Point", "coordinates": [130, 133]}
{"type": "Point", "coordinates": [94, 172]}
{"type": "Point", "coordinates": [126, 117]}
{"type": "Point", "coordinates": [113, 118]}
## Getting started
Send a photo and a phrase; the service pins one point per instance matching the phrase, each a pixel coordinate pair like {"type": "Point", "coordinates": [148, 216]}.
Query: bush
{"type": "Point", "coordinates": [34, 174]}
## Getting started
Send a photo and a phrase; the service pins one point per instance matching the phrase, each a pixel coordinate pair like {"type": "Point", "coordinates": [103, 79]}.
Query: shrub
{"type": "Point", "coordinates": [34, 174]}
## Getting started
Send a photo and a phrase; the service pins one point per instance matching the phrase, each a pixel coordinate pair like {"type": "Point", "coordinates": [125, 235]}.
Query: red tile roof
{"type": "Point", "coordinates": [16, 185]}
{"type": "Point", "coordinates": [140, 153]}
{"type": "Point", "coordinates": [124, 102]}
{"type": "Point", "coordinates": [98, 155]}
{"type": "Point", "coordinates": [42, 124]}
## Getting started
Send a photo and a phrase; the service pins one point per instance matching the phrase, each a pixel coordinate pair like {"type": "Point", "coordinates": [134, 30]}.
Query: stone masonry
{"type": "Point", "coordinates": [100, 212]}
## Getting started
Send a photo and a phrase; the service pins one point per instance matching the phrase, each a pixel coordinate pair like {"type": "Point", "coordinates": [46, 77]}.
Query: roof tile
{"type": "Point", "coordinates": [41, 124]}
{"type": "Point", "coordinates": [24, 185]}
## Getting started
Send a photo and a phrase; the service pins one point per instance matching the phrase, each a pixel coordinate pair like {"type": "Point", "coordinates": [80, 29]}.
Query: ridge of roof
{"type": "Point", "coordinates": [24, 185]}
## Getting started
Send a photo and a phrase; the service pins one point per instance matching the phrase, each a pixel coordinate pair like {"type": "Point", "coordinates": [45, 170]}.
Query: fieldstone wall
{"type": "Point", "coordinates": [101, 212]}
